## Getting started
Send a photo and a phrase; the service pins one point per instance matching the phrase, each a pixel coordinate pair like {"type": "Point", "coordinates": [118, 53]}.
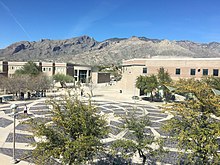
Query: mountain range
{"type": "Point", "coordinates": [86, 50]}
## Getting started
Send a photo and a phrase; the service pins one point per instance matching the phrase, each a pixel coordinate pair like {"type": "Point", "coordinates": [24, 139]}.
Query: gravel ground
{"type": "Point", "coordinates": [41, 112]}
{"type": "Point", "coordinates": [114, 130]}
{"type": "Point", "coordinates": [19, 153]}
{"type": "Point", "coordinates": [20, 138]}
{"type": "Point", "coordinates": [155, 124]}
{"type": "Point", "coordinates": [23, 127]}
{"type": "Point", "coordinates": [44, 107]}
{"type": "Point", "coordinates": [161, 132]}
{"type": "Point", "coordinates": [5, 122]}
{"type": "Point", "coordinates": [116, 123]}
{"type": "Point", "coordinates": [168, 142]}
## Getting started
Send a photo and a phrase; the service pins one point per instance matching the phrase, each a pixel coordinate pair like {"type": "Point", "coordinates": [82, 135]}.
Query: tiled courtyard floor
{"type": "Point", "coordinates": [111, 106]}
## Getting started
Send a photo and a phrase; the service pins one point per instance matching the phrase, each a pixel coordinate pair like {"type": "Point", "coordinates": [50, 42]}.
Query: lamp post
{"type": "Point", "coordinates": [14, 108]}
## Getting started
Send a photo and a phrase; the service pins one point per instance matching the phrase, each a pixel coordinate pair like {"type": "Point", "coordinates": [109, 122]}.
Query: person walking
{"type": "Point", "coordinates": [25, 109]}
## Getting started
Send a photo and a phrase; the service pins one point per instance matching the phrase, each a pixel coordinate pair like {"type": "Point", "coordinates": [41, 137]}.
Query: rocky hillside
{"type": "Point", "coordinates": [86, 50]}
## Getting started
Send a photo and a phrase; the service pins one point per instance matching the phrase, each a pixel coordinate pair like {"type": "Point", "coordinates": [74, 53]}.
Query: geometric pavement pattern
{"type": "Point", "coordinates": [41, 111]}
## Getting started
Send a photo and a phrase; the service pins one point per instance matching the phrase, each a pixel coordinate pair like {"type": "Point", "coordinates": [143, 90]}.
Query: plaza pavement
{"type": "Point", "coordinates": [107, 98]}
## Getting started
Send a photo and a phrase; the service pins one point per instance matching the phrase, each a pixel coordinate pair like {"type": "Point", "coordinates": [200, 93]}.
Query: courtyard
{"type": "Point", "coordinates": [109, 102]}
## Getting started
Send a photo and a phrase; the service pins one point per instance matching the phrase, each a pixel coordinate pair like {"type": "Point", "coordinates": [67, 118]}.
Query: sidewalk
{"type": "Point", "coordinates": [6, 129]}
{"type": "Point", "coordinates": [108, 93]}
{"type": "Point", "coordinates": [113, 93]}
{"type": "Point", "coordinates": [7, 160]}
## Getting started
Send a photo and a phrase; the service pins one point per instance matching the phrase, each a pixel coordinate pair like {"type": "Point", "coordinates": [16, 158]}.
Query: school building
{"type": "Point", "coordinates": [78, 72]}
{"type": "Point", "coordinates": [176, 67]}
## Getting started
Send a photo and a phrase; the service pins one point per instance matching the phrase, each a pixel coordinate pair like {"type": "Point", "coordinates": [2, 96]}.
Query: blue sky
{"type": "Point", "coordinates": [32, 20]}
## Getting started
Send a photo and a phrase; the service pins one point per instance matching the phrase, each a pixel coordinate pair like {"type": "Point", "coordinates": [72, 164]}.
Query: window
{"type": "Point", "coordinates": [205, 72]}
{"type": "Point", "coordinates": [192, 71]}
{"type": "Point", "coordinates": [177, 71]}
{"type": "Point", "coordinates": [215, 72]}
{"type": "Point", "coordinates": [82, 75]}
{"type": "Point", "coordinates": [49, 69]}
{"type": "Point", "coordinates": [144, 70]}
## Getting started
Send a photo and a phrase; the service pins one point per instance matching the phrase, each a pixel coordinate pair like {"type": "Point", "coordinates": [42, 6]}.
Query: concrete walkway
{"type": "Point", "coordinates": [108, 94]}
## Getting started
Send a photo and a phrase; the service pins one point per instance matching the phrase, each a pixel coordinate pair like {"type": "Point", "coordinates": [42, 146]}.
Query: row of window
{"type": "Point", "coordinates": [205, 72]}
{"type": "Point", "coordinates": [15, 67]}
{"type": "Point", "coordinates": [60, 69]}
{"type": "Point", "coordinates": [45, 69]}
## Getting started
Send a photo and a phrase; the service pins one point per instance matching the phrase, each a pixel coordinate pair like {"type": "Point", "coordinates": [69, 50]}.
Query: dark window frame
{"type": "Point", "coordinates": [144, 70]}
{"type": "Point", "coordinates": [178, 71]}
{"type": "Point", "coordinates": [192, 72]}
{"type": "Point", "coordinates": [215, 72]}
{"type": "Point", "coordinates": [205, 72]}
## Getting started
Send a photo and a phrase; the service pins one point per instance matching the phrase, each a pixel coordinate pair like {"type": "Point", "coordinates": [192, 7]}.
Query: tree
{"type": "Point", "coordinates": [214, 82]}
{"type": "Point", "coordinates": [163, 80]}
{"type": "Point", "coordinates": [147, 84]}
{"type": "Point", "coordinates": [140, 140]}
{"type": "Point", "coordinates": [40, 83]}
{"type": "Point", "coordinates": [30, 68]}
{"type": "Point", "coordinates": [16, 84]}
{"type": "Point", "coordinates": [74, 135]}
{"type": "Point", "coordinates": [193, 125]}
{"type": "Point", "coordinates": [163, 77]}
{"type": "Point", "coordinates": [62, 78]}
{"type": "Point", "coordinates": [91, 86]}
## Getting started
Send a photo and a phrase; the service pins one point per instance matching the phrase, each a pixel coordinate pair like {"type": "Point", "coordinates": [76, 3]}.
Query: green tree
{"type": "Point", "coordinates": [74, 134]}
{"type": "Point", "coordinates": [147, 84]}
{"type": "Point", "coordinates": [141, 141]}
{"type": "Point", "coordinates": [163, 77]}
{"type": "Point", "coordinates": [214, 82]}
{"type": "Point", "coordinates": [193, 125]}
{"type": "Point", "coordinates": [163, 80]}
{"type": "Point", "coordinates": [62, 78]}
{"type": "Point", "coordinates": [30, 68]}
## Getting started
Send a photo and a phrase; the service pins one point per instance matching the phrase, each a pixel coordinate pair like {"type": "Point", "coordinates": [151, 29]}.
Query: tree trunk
{"type": "Point", "coordinates": [141, 154]}
{"type": "Point", "coordinates": [151, 95]}
{"type": "Point", "coordinates": [91, 93]}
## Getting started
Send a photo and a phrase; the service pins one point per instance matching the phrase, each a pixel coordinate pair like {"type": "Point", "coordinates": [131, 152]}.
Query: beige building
{"type": "Point", "coordinates": [79, 72]}
{"type": "Point", "coordinates": [176, 67]}
{"type": "Point", "coordinates": [47, 68]}
{"type": "Point", "coordinates": [13, 66]}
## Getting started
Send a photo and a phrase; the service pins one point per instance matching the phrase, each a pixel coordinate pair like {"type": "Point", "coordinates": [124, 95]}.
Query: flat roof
{"type": "Point", "coordinates": [168, 59]}
{"type": "Point", "coordinates": [141, 61]}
